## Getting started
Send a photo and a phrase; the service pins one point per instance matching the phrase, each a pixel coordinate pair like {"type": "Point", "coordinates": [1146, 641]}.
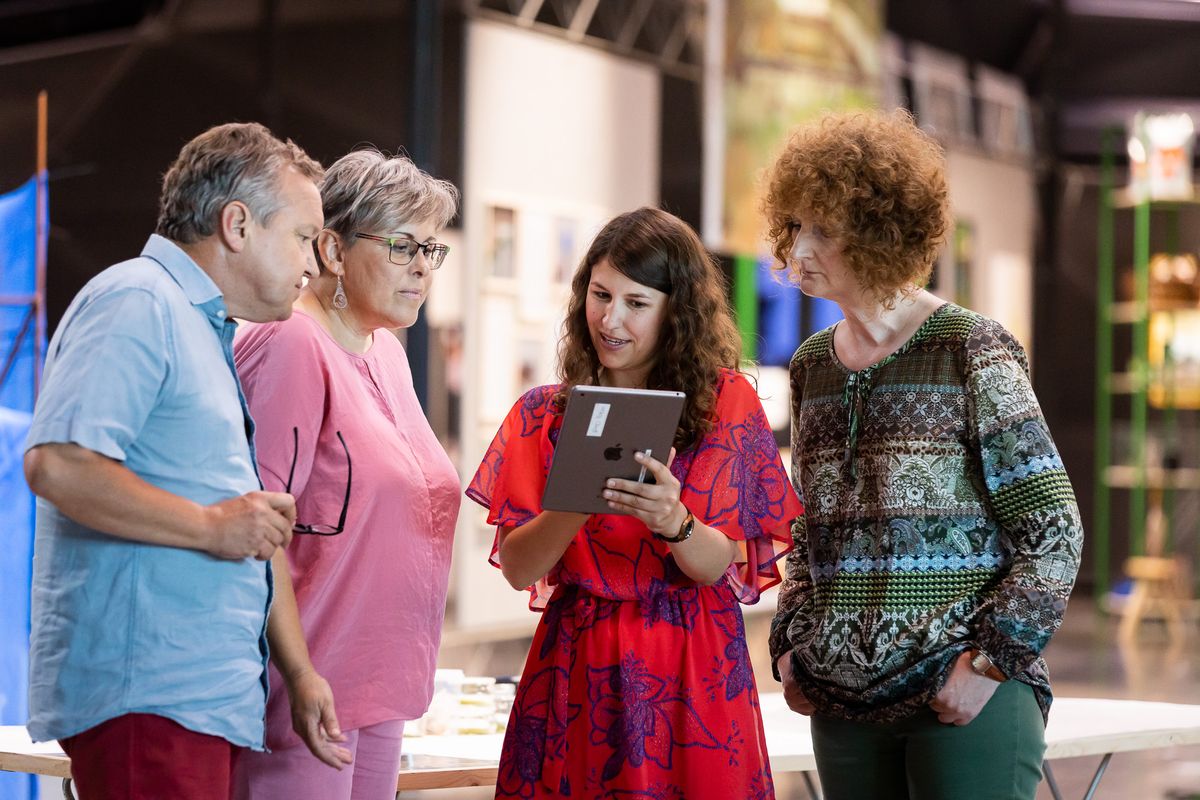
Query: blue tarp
{"type": "Point", "coordinates": [821, 314]}
{"type": "Point", "coordinates": [18, 277]}
{"type": "Point", "coordinates": [785, 317]}
{"type": "Point", "coordinates": [778, 316]}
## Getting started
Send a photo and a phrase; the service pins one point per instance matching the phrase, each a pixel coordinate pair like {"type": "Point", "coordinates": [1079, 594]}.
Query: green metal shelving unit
{"type": "Point", "coordinates": [1103, 397]}
{"type": "Point", "coordinates": [745, 303]}
{"type": "Point", "coordinates": [1134, 475]}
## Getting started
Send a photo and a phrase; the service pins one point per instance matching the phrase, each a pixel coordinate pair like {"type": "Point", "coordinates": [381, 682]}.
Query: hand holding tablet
{"type": "Point", "coordinates": [603, 429]}
{"type": "Point", "coordinates": [656, 504]}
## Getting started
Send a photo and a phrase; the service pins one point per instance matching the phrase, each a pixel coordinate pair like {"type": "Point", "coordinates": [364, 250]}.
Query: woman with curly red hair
{"type": "Point", "coordinates": [940, 538]}
{"type": "Point", "coordinates": [639, 680]}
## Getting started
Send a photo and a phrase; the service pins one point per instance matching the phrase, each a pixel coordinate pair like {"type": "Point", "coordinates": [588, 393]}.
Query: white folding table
{"type": "Point", "coordinates": [1078, 727]}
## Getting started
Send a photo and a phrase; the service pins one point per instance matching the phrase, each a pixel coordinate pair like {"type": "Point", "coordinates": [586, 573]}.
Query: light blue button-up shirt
{"type": "Point", "coordinates": [141, 370]}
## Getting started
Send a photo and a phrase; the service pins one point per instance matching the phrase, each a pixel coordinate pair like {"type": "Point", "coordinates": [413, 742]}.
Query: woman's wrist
{"type": "Point", "coordinates": [677, 532]}
{"type": "Point", "coordinates": [679, 518]}
{"type": "Point", "coordinates": [297, 673]}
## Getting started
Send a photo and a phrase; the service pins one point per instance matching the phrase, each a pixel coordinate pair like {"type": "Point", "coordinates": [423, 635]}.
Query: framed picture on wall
{"type": "Point", "coordinates": [564, 248]}
{"type": "Point", "coordinates": [500, 245]}
{"type": "Point", "coordinates": [530, 369]}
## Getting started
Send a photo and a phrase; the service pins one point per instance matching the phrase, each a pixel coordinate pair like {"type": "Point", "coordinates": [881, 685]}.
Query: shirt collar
{"type": "Point", "coordinates": [198, 287]}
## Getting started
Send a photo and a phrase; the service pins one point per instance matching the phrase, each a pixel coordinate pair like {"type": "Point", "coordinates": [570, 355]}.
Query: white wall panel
{"type": "Point", "coordinates": [566, 136]}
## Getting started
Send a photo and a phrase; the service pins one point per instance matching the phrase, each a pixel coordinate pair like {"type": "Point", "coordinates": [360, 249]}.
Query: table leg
{"type": "Point", "coordinates": [1091, 792]}
{"type": "Point", "coordinates": [813, 794]}
{"type": "Point", "coordinates": [1053, 784]}
{"type": "Point", "coordinates": [67, 793]}
{"type": "Point", "coordinates": [1099, 774]}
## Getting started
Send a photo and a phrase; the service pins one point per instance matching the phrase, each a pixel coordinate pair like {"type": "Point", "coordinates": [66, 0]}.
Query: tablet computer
{"type": "Point", "coordinates": [602, 429]}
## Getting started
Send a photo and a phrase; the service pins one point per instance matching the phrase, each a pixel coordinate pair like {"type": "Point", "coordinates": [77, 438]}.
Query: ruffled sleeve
{"type": "Point", "coordinates": [735, 482]}
{"type": "Point", "coordinates": [512, 475]}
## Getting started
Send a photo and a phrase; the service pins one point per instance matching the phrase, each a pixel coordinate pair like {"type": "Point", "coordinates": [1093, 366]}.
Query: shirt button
{"type": "Point", "coordinates": [220, 315]}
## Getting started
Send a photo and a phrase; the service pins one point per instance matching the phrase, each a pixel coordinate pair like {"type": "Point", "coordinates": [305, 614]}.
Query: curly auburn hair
{"type": "Point", "coordinates": [698, 337]}
{"type": "Point", "coordinates": [874, 181]}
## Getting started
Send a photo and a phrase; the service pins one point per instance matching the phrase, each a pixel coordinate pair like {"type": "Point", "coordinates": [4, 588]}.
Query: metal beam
{"type": "Point", "coordinates": [1100, 114]}
{"type": "Point", "coordinates": [673, 47]}
{"type": "Point", "coordinates": [151, 29]}
{"type": "Point", "coordinates": [530, 11]}
{"type": "Point", "coordinates": [1030, 63]}
{"type": "Point", "coordinates": [57, 48]}
{"type": "Point", "coordinates": [581, 20]}
{"type": "Point", "coordinates": [1155, 10]}
{"type": "Point", "coordinates": [633, 24]}
{"type": "Point", "coordinates": [422, 131]}
{"type": "Point", "coordinates": [680, 20]}
{"type": "Point", "coordinates": [268, 62]}
{"type": "Point", "coordinates": [712, 176]}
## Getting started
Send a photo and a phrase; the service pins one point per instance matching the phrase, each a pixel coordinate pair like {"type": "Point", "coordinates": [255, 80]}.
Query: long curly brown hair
{"type": "Point", "coordinates": [698, 338]}
{"type": "Point", "coordinates": [875, 181]}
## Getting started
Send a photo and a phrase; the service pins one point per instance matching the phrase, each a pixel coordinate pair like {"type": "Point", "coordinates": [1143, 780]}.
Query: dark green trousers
{"type": "Point", "coordinates": [998, 756]}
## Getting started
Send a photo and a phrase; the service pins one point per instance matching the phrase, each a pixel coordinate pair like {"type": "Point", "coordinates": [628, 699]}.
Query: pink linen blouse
{"type": "Point", "coordinates": [371, 598]}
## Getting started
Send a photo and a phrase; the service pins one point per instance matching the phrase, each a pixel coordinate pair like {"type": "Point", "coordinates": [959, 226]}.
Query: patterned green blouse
{"type": "Point", "coordinates": [938, 517]}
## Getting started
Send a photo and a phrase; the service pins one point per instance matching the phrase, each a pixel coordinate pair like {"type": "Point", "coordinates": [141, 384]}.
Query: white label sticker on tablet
{"type": "Point", "coordinates": [599, 416]}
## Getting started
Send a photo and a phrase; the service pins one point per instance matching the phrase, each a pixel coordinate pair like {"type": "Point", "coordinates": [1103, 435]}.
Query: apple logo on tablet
{"type": "Point", "coordinates": [613, 453]}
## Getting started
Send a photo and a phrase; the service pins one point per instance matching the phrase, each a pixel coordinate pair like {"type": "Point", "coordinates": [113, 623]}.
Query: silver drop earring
{"type": "Point", "coordinates": [339, 295]}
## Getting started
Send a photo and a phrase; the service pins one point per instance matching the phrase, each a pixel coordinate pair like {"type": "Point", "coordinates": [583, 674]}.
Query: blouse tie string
{"type": "Point", "coordinates": [854, 397]}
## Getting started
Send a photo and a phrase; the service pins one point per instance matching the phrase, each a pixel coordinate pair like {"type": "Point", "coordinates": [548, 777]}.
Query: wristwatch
{"type": "Point", "coordinates": [982, 664]}
{"type": "Point", "coordinates": [685, 530]}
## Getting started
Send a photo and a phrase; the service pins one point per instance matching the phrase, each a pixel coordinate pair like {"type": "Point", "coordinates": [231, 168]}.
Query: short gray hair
{"type": "Point", "coordinates": [366, 191]}
{"type": "Point", "coordinates": [237, 161]}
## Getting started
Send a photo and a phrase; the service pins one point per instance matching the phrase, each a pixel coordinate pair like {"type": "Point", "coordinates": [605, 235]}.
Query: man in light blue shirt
{"type": "Point", "coordinates": [151, 569]}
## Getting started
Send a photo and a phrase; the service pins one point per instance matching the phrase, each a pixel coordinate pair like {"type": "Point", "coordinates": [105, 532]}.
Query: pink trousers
{"type": "Point", "coordinates": [294, 773]}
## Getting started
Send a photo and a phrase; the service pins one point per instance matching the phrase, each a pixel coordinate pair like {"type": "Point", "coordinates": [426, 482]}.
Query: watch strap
{"type": "Point", "coordinates": [685, 531]}
{"type": "Point", "coordinates": [981, 664]}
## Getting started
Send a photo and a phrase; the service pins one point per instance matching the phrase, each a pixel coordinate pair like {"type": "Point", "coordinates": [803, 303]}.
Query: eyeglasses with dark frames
{"type": "Point", "coordinates": [403, 249]}
{"type": "Point", "coordinates": [320, 530]}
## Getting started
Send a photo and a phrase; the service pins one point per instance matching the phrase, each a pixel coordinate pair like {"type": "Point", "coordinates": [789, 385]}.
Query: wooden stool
{"type": "Point", "coordinates": [1159, 592]}
{"type": "Point", "coordinates": [1161, 585]}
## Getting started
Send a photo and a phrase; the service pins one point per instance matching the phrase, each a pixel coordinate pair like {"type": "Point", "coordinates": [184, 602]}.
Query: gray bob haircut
{"type": "Point", "coordinates": [237, 161]}
{"type": "Point", "coordinates": [366, 191]}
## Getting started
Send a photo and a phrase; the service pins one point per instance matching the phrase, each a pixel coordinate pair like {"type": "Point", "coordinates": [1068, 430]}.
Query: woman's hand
{"type": "Point", "coordinates": [656, 504]}
{"type": "Point", "coordinates": [792, 693]}
{"type": "Point", "coordinates": [965, 694]}
{"type": "Point", "coordinates": [706, 554]}
{"type": "Point", "coordinates": [314, 719]}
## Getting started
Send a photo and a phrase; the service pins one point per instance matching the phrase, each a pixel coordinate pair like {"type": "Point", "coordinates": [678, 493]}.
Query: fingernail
{"type": "Point", "coordinates": [611, 484]}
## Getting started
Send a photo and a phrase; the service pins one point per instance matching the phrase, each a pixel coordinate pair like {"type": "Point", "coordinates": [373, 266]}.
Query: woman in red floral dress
{"type": "Point", "coordinates": [638, 683]}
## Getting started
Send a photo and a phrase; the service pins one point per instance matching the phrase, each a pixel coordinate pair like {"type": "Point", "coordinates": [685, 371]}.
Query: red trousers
{"type": "Point", "coordinates": [147, 757]}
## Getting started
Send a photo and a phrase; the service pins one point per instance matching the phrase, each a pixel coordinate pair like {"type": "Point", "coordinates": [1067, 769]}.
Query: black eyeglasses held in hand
{"type": "Point", "coordinates": [320, 530]}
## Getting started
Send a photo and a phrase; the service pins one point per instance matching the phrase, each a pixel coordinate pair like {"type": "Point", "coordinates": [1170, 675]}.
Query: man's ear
{"type": "Point", "coordinates": [330, 251]}
{"type": "Point", "coordinates": [233, 225]}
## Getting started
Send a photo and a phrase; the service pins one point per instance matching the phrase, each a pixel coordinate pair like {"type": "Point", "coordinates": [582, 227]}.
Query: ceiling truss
{"type": "Point", "coordinates": [667, 33]}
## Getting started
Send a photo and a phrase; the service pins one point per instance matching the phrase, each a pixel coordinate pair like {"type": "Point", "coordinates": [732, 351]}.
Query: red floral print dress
{"type": "Point", "coordinates": [638, 683]}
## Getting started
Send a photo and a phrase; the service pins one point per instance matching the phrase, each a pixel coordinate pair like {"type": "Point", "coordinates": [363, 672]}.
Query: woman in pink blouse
{"type": "Point", "coordinates": [338, 425]}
